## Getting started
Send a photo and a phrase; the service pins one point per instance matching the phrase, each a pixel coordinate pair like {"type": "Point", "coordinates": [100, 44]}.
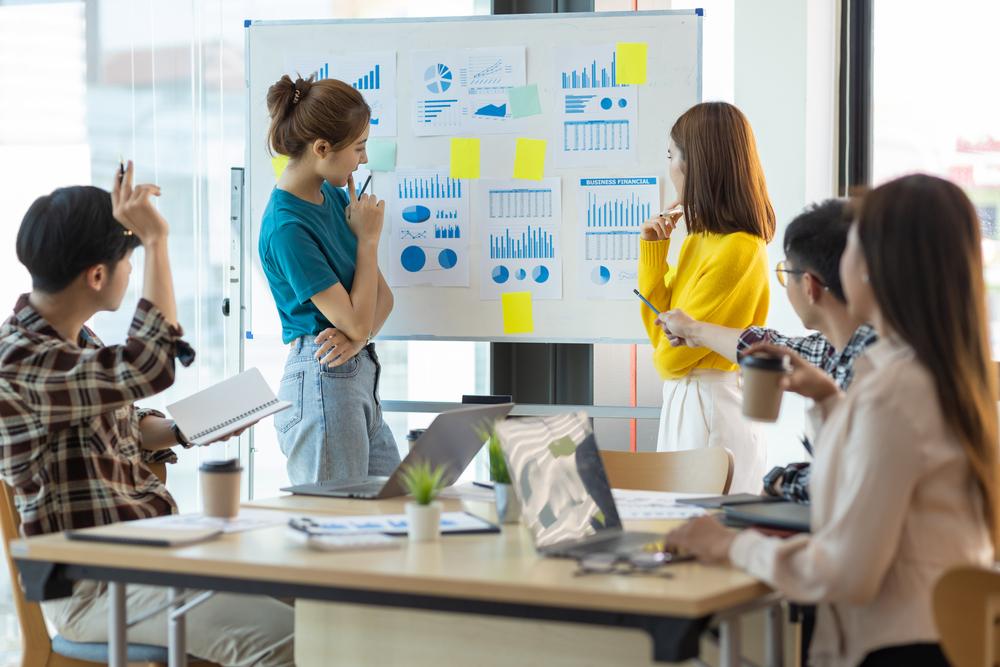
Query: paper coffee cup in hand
{"type": "Point", "coordinates": [762, 392]}
{"type": "Point", "coordinates": [220, 488]}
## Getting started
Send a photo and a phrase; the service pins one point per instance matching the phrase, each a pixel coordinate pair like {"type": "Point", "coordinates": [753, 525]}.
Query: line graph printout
{"type": "Point", "coordinates": [519, 239]}
{"type": "Point", "coordinates": [465, 90]}
{"type": "Point", "coordinates": [610, 212]}
{"type": "Point", "coordinates": [597, 116]}
{"type": "Point", "coordinates": [429, 230]}
{"type": "Point", "coordinates": [372, 74]}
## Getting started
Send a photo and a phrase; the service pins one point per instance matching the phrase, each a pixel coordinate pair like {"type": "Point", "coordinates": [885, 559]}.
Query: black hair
{"type": "Point", "coordinates": [815, 240]}
{"type": "Point", "coordinates": [65, 233]}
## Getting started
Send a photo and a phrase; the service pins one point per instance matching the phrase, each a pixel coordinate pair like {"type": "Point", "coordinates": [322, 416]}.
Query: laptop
{"type": "Point", "coordinates": [566, 499]}
{"type": "Point", "coordinates": [452, 440]}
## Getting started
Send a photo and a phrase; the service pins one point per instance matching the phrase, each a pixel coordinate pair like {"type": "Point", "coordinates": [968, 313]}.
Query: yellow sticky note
{"type": "Point", "coordinates": [517, 313]}
{"type": "Point", "coordinates": [464, 158]}
{"type": "Point", "coordinates": [630, 60]}
{"type": "Point", "coordinates": [278, 163]}
{"type": "Point", "coordinates": [529, 159]}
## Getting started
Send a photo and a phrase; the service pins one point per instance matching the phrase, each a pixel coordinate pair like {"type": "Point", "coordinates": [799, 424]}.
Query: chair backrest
{"type": "Point", "coordinates": [966, 612]}
{"type": "Point", "coordinates": [704, 470]}
{"type": "Point", "coordinates": [36, 643]}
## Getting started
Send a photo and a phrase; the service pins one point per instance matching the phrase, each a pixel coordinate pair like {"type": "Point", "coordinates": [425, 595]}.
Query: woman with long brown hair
{"type": "Point", "coordinates": [904, 484]}
{"type": "Point", "coordinates": [720, 277]}
{"type": "Point", "coordinates": [319, 250]}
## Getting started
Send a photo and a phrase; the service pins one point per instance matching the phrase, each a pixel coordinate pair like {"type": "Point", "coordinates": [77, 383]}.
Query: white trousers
{"type": "Point", "coordinates": [703, 409]}
{"type": "Point", "coordinates": [228, 629]}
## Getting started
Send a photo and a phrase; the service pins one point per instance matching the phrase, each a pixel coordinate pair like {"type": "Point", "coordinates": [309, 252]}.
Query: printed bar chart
{"type": "Point", "coordinates": [589, 76]}
{"type": "Point", "coordinates": [534, 243]}
{"type": "Point", "coordinates": [521, 203]}
{"type": "Point", "coordinates": [370, 81]}
{"type": "Point", "coordinates": [436, 187]}
{"type": "Point", "coordinates": [617, 212]}
{"type": "Point", "coordinates": [596, 135]}
{"type": "Point", "coordinates": [577, 103]}
{"type": "Point", "coordinates": [449, 232]}
{"type": "Point", "coordinates": [429, 110]}
{"type": "Point", "coordinates": [323, 72]}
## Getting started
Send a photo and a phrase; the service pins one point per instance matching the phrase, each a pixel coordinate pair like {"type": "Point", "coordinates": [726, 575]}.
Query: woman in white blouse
{"type": "Point", "coordinates": [904, 482]}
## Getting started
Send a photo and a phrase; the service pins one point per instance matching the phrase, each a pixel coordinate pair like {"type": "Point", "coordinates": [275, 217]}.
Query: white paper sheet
{"type": "Point", "coordinates": [246, 520]}
{"type": "Point", "coordinates": [597, 118]}
{"type": "Point", "coordinates": [610, 211]}
{"type": "Point", "coordinates": [392, 524]}
{"type": "Point", "coordinates": [639, 505]}
{"type": "Point", "coordinates": [373, 74]}
{"type": "Point", "coordinates": [458, 91]}
{"type": "Point", "coordinates": [429, 226]}
{"type": "Point", "coordinates": [519, 238]}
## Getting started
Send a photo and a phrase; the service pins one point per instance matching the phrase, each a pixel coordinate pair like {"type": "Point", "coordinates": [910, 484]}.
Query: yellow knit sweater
{"type": "Point", "coordinates": [719, 278]}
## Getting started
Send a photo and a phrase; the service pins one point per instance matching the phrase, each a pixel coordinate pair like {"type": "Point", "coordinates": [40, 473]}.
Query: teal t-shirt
{"type": "Point", "coordinates": [304, 249]}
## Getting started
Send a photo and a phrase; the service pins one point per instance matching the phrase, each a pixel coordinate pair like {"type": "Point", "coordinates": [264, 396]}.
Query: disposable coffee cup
{"type": "Point", "coordinates": [220, 488]}
{"type": "Point", "coordinates": [762, 374]}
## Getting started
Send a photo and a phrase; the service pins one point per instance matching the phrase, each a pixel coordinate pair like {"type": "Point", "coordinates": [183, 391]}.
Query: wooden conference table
{"type": "Point", "coordinates": [484, 599]}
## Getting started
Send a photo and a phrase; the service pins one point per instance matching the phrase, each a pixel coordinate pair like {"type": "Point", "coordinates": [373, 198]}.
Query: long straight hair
{"type": "Point", "coordinates": [724, 186]}
{"type": "Point", "coordinates": [921, 239]}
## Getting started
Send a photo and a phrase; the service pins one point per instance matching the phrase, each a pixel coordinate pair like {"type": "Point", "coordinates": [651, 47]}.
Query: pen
{"type": "Point", "coordinates": [646, 301]}
{"type": "Point", "coordinates": [121, 168]}
{"type": "Point", "coordinates": [485, 485]}
{"type": "Point", "coordinates": [365, 186]}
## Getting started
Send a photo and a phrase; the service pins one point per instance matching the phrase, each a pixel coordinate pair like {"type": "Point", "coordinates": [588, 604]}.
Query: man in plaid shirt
{"type": "Point", "coordinates": [72, 445]}
{"type": "Point", "coordinates": [814, 242]}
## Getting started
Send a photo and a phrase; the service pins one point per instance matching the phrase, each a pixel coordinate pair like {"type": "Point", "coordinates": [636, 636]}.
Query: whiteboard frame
{"type": "Point", "coordinates": [247, 305]}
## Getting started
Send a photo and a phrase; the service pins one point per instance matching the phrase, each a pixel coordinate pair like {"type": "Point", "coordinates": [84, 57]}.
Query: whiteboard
{"type": "Point", "coordinates": [461, 313]}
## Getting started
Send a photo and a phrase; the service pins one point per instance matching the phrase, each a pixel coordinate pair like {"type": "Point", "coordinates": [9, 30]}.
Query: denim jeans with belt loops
{"type": "Point", "coordinates": [334, 430]}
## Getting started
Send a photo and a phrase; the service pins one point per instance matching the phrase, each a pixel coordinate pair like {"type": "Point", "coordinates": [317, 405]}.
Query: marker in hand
{"type": "Point", "coordinates": [646, 301]}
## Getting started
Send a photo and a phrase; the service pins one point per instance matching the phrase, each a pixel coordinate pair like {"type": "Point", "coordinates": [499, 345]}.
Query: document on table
{"type": "Point", "coordinates": [246, 520]}
{"type": "Point", "coordinates": [389, 524]}
{"type": "Point", "coordinates": [637, 505]}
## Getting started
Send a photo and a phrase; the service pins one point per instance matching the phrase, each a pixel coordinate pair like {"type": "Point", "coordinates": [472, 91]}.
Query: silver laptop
{"type": "Point", "coordinates": [566, 499]}
{"type": "Point", "coordinates": [452, 440]}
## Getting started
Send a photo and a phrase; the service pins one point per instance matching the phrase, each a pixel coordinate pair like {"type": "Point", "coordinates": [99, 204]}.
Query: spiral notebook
{"type": "Point", "coordinates": [226, 407]}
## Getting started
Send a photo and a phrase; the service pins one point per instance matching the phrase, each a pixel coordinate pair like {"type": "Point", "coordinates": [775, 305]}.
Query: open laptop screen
{"type": "Point", "coordinates": [559, 477]}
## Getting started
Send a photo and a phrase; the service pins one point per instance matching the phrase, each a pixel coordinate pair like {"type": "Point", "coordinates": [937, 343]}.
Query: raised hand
{"type": "Point", "coordinates": [133, 207]}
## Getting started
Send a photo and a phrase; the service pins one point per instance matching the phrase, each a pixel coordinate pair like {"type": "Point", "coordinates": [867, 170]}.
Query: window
{"type": "Point", "coordinates": [935, 107]}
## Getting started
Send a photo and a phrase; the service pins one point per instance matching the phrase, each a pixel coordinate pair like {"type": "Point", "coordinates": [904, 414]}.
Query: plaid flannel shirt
{"type": "Point", "coordinates": [70, 444]}
{"type": "Point", "coordinates": [816, 349]}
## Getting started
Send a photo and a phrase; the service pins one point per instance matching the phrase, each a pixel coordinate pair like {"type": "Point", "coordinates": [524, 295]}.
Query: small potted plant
{"type": "Point", "coordinates": [508, 506]}
{"type": "Point", "coordinates": [423, 513]}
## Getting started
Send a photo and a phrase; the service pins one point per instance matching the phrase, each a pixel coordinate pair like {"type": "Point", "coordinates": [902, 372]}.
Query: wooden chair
{"type": "Point", "coordinates": [967, 615]}
{"type": "Point", "coordinates": [704, 470]}
{"type": "Point", "coordinates": [38, 649]}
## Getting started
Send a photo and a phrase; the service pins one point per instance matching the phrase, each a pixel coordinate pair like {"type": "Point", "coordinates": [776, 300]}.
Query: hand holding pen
{"type": "Point", "coordinates": [661, 226]}
{"type": "Point", "coordinates": [132, 206]}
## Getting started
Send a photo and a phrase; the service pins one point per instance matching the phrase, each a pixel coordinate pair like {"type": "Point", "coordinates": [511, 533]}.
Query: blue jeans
{"type": "Point", "coordinates": [334, 430]}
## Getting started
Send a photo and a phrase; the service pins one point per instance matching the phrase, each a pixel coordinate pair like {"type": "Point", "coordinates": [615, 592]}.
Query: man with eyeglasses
{"type": "Point", "coordinates": [814, 242]}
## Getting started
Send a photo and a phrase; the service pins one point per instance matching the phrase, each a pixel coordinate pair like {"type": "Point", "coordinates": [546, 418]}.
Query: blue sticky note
{"type": "Point", "coordinates": [381, 154]}
{"type": "Point", "coordinates": [524, 101]}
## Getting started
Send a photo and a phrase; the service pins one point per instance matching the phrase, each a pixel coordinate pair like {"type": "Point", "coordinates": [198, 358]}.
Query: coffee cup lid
{"type": "Point", "coordinates": [764, 362]}
{"type": "Point", "coordinates": [228, 465]}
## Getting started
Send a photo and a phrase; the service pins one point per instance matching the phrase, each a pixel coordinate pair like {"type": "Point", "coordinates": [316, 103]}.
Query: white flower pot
{"type": "Point", "coordinates": [508, 505]}
{"type": "Point", "coordinates": [424, 521]}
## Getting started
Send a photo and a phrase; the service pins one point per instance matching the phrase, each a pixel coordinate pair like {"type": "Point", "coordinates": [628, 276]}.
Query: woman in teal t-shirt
{"type": "Point", "coordinates": [318, 247]}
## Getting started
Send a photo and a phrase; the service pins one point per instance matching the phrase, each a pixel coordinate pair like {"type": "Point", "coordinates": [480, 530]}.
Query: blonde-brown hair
{"type": "Point", "coordinates": [921, 240]}
{"type": "Point", "coordinates": [724, 186]}
{"type": "Point", "coordinates": [305, 110]}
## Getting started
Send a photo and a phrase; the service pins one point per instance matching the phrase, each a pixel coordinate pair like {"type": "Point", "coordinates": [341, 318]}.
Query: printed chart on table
{"type": "Point", "coordinates": [429, 216]}
{"type": "Point", "coordinates": [465, 90]}
{"type": "Point", "coordinates": [610, 212]}
{"type": "Point", "coordinates": [373, 74]}
{"type": "Point", "coordinates": [520, 250]}
{"type": "Point", "coordinates": [597, 117]}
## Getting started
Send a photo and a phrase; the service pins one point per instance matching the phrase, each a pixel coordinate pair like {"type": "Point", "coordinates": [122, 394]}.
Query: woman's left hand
{"type": "Point", "coordinates": [704, 538]}
{"type": "Point", "coordinates": [335, 348]}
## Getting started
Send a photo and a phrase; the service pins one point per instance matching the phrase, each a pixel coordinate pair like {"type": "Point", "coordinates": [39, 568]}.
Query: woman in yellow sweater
{"type": "Point", "coordinates": [721, 274]}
